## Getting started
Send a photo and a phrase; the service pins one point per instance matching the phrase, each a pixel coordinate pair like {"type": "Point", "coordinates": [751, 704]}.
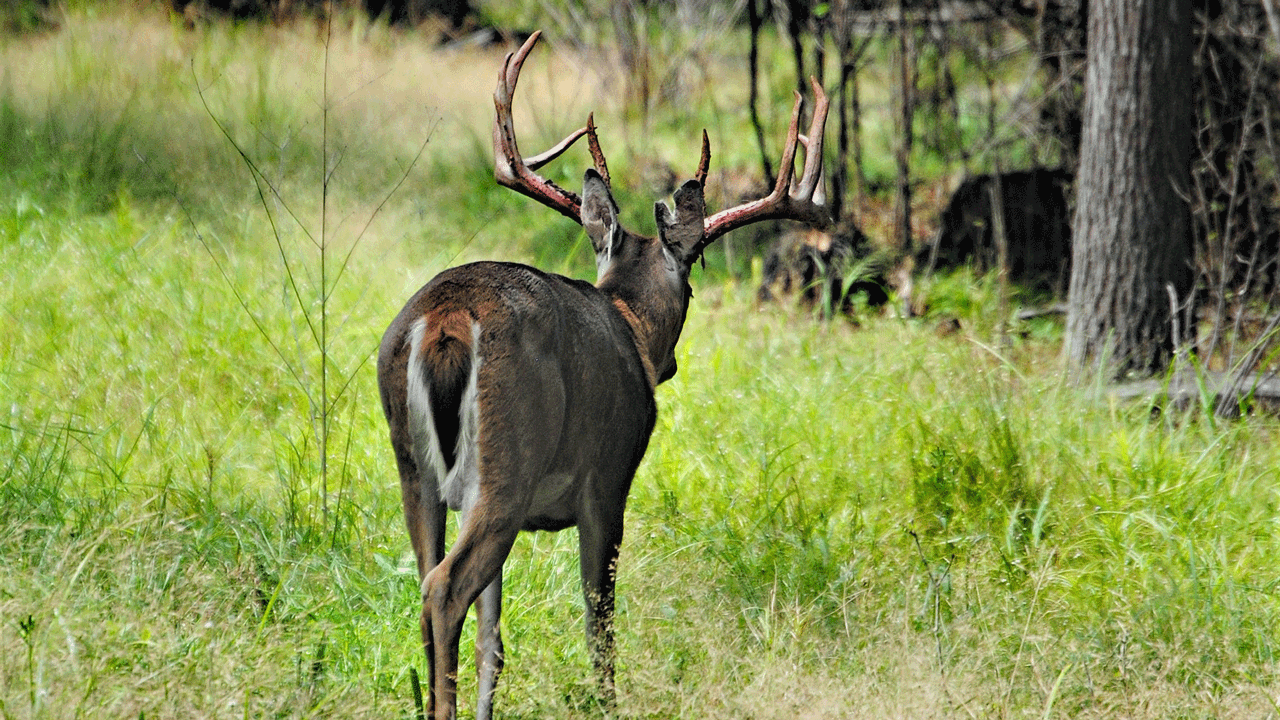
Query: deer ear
{"type": "Point", "coordinates": [599, 213]}
{"type": "Point", "coordinates": [681, 229]}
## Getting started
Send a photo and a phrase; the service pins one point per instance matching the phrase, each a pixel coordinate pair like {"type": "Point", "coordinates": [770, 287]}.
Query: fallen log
{"type": "Point", "coordinates": [1229, 394]}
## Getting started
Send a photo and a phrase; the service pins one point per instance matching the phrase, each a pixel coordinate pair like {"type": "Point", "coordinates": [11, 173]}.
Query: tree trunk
{"type": "Point", "coordinates": [907, 86]}
{"type": "Point", "coordinates": [1132, 224]}
{"type": "Point", "coordinates": [840, 171]}
{"type": "Point", "coordinates": [753, 68]}
{"type": "Point", "coordinates": [855, 131]}
{"type": "Point", "coordinates": [850, 48]}
{"type": "Point", "coordinates": [797, 16]}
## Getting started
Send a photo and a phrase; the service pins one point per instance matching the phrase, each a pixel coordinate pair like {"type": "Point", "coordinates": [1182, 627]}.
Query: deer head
{"type": "Point", "coordinates": [649, 277]}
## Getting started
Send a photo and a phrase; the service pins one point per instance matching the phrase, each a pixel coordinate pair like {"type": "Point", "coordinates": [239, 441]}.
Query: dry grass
{"type": "Point", "coordinates": [162, 544]}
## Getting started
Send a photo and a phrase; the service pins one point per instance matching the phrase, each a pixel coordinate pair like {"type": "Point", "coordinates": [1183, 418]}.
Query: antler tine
{"type": "Point", "coordinates": [537, 161]}
{"type": "Point", "coordinates": [787, 169]}
{"type": "Point", "coordinates": [703, 162]}
{"type": "Point", "coordinates": [509, 168]}
{"type": "Point", "coordinates": [597, 155]}
{"type": "Point", "coordinates": [810, 181]}
{"type": "Point", "coordinates": [800, 200]}
{"type": "Point", "coordinates": [820, 190]}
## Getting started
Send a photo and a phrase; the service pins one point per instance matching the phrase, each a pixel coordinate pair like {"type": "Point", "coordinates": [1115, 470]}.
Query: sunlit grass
{"type": "Point", "coordinates": [831, 521]}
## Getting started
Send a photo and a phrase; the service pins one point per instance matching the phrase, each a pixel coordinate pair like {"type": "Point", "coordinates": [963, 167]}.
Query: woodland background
{"type": "Point", "coordinates": [209, 213]}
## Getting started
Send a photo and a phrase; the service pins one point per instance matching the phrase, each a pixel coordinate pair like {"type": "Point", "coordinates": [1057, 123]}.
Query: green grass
{"type": "Point", "coordinates": [831, 521]}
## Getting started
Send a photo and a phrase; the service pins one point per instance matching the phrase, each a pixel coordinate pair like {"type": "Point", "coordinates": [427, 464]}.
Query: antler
{"type": "Point", "coordinates": [513, 171]}
{"type": "Point", "coordinates": [789, 200]}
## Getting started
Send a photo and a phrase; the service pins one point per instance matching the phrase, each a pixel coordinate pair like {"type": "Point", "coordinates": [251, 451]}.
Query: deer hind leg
{"type": "Point", "coordinates": [425, 517]}
{"type": "Point", "coordinates": [473, 564]}
{"type": "Point", "coordinates": [489, 658]}
{"type": "Point", "coordinates": [424, 513]}
{"type": "Point", "coordinates": [439, 365]}
{"type": "Point", "coordinates": [598, 542]}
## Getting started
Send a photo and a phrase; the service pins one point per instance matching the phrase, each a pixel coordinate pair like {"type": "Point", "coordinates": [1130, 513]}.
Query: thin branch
{"type": "Point", "coordinates": [259, 178]}
{"type": "Point", "coordinates": [381, 204]}
{"type": "Point", "coordinates": [226, 276]}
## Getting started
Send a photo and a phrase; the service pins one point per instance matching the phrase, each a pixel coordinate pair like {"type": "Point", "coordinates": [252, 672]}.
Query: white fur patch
{"type": "Point", "coordinates": [458, 485]}
{"type": "Point", "coordinates": [461, 488]}
{"type": "Point", "coordinates": [604, 258]}
{"type": "Point", "coordinates": [672, 268]}
{"type": "Point", "coordinates": [426, 443]}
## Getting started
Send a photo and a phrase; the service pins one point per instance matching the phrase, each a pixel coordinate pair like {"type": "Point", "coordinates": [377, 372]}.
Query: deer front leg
{"type": "Point", "coordinates": [598, 557]}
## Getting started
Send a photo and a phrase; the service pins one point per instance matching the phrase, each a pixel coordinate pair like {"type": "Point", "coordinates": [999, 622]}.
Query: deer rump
{"type": "Point", "coordinates": [494, 325]}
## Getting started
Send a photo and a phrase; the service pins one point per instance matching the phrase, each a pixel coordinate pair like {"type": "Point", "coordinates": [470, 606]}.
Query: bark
{"type": "Point", "coordinates": [1132, 223]}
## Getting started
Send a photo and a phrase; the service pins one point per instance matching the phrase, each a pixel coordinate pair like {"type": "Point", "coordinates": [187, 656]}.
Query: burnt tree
{"type": "Point", "coordinates": [1132, 224]}
{"type": "Point", "coordinates": [1037, 228]}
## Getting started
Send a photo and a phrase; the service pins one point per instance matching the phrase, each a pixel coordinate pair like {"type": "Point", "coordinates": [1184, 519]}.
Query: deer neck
{"type": "Point", "coordinates": [654, 304]}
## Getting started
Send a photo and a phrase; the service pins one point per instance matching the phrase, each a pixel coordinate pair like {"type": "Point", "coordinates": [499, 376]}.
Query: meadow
{"type": "Point", "coordinates": [199, 512]}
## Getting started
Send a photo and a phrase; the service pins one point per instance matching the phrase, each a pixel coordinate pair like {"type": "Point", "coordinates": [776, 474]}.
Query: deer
{"type": "Point", "coordinates": [524, 401]}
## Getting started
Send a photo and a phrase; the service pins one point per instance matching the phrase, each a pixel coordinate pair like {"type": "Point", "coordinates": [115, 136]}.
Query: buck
{"type": "Point", "coordinates": [524, 400]}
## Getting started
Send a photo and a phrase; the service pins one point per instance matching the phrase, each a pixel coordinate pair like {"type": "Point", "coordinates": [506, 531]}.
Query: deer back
{"type": "Point", "coordinates": [531, 380]}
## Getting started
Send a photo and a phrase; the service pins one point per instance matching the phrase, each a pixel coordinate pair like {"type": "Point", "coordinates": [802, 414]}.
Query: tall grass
{"type": "Point", "coordinates": [831, 521]}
